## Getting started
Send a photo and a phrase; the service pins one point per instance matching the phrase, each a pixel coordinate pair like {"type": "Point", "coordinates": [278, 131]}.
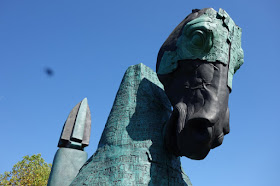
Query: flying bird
{"type": "Point", "coordinates": [49, 71]}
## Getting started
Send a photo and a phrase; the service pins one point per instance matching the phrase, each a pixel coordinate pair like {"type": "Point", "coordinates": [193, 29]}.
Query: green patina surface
{"type": "Point", "coordinates": [70, 157]}
{"type": "Point", "coordinates": [131, 149]}
{"type": "Point", "coordinates": [66, 165]}
{"type": "Point", "coordinates": [78, 131]}
{"type": "Point", "coordinates": [213, 37]}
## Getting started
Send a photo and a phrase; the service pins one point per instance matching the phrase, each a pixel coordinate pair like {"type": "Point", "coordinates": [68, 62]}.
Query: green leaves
{"type": "Point", "coordinates": [32, 170]}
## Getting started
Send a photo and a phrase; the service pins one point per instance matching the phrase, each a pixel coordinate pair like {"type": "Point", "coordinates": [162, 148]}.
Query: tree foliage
{"type": "Point", "coordinates": [32, 170]}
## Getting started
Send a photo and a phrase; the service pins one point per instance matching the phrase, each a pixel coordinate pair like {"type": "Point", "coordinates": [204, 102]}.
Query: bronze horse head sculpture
{"type": "Point", "coordinates": [196, 65]}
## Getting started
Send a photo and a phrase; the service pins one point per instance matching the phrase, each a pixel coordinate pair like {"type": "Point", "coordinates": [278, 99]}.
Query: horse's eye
{"type": "Point", "coordinates": [198, 39]}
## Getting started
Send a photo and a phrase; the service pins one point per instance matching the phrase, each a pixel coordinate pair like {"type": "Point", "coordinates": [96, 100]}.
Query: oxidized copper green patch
{"type": "Point", "coordinates": [211, 37]}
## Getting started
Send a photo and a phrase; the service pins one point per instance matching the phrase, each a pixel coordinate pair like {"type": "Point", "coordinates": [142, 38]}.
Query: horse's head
{"type": "Point", "coordinates": [196, 65]}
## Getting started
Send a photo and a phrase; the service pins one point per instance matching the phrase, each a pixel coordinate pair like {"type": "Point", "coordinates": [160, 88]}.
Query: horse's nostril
{"type": "Point", "coordinates": [201, 129]}
{"type": "Point", "coordinates": [199, 123]}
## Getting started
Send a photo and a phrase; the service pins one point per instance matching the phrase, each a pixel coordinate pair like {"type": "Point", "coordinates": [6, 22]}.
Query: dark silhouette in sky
{"type": "Point", "coordinates": [49, 71]}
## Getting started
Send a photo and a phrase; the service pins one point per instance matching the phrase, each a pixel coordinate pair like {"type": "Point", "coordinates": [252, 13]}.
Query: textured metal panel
{"type": "Point", "coordinates": [131, 149]}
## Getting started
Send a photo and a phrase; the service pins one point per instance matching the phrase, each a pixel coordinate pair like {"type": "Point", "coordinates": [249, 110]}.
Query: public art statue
{"type": "Point", "coordinates": [196, 65]}
{"type": "Point", "coordinates": [143, 138]}
{"type": "Point", "coordinates": [70, 156]}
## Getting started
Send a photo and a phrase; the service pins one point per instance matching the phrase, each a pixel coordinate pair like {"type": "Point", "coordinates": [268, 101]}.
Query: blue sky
{"type": "Point", "coordinates": [90, 44]}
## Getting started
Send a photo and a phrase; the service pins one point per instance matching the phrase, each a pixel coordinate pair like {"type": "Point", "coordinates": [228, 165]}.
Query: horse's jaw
{"type": "Point", "coordinates": [200, 116]}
